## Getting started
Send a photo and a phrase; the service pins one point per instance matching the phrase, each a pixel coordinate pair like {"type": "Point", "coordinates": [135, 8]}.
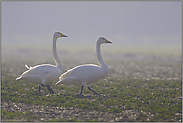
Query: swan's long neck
{"type": "Point", "coordinates": [55, 56]}
{"type": "Point", "coordinates": [99, 57]}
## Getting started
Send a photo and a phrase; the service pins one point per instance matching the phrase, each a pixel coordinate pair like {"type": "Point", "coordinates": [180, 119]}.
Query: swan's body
{"type": "Point", "coordinates": [45, 73]}
{"type": "Point", "coordinates": [86, 74]}
{"type": "Point", "coordinates": [41, 74]}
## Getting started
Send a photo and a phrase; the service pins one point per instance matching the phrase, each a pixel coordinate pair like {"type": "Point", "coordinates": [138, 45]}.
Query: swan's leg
{"type": "Point", "coordinates": [48, 87]}
{"type": "Point", "coordinates": [43, 85]}
{"type": "Point", "coordinates": [39, 88]}
{"type": "Point", "coordinates": [81, 89]}
{"type": "Point", "coordinates": [93, 91]}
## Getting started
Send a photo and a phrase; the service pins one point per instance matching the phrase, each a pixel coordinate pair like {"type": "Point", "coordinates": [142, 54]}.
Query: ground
{"type": "Point", "coordinates": [139, 87]}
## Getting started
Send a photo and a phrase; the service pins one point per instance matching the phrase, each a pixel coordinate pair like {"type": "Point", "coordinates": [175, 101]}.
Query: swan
{"type": "Point", "coordinates": [45, 73]}
{"type": "Point", "coordinates": [88, 73]}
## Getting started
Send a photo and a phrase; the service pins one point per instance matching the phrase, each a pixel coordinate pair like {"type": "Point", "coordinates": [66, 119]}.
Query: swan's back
{"type": "Point", "coordinates": [84, 73]}
{"type": "Point", "coordinates": [41, 73]}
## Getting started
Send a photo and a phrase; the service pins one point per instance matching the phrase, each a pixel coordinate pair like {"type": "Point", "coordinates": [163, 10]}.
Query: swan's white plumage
{"type": "Point", "coordinates": [41, 74]}
{"type": "Point", "coordinates": [88, 73]}
{"type": "Point", "coordinates": [44, 73]}
{"type": "Point", "coordinates": [27, 67]}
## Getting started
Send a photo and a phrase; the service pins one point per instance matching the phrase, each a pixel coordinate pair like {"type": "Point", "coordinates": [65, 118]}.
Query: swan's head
{"type": "Point", "coordinates": [102, 40]}
{"type": "Point", "coordinates": [58, 35]}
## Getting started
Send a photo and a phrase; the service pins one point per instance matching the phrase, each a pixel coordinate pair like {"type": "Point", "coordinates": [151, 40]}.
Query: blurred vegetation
{"type": "Point", "coordinates": [160, 98]}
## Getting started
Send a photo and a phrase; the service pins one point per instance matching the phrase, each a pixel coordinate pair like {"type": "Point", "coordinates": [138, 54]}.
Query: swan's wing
{"type": "Point", "coordinates": [77, 70]}
{"type": "Point", "coordinates": [40, 71]}
{"type": "Point", "coordinates": [79, 74]}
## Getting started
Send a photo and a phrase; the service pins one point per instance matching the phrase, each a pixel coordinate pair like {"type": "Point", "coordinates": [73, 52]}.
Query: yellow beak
{"type": "Point", "coordinates": [62, 35]}
{"type": "Point", "coordinates": [107, 41]}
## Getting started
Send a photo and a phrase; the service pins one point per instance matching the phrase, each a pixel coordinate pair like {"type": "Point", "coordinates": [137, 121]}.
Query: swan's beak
{"type": "Point", "coordinates": [108, 41]}
{"type": "Point", "coordinates": [62, 35]}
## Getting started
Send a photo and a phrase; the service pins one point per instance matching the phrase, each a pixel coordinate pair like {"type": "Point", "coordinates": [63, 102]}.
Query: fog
{"type": "Point", "coordinates": [133, 27]}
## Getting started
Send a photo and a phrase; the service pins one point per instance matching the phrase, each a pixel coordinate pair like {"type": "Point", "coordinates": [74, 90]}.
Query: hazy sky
{"type": "Point", "coordinates": [122, 22]}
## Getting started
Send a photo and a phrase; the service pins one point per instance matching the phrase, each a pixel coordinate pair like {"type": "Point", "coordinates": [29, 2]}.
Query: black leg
{"type": "Point", "coordinates": [81, 89]}
{"type": "Point", "coordinates": [39, 88]}
{"type": "Point", "coordinates": [48, 87]}
{"type": "Point", "coordinates": [43, 85]}
{"type": "Point", "coordinates": [93, 91]}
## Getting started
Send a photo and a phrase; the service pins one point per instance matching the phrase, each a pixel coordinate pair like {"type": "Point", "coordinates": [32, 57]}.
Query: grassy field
{"type": "Point", "coordinates": [139, 87]}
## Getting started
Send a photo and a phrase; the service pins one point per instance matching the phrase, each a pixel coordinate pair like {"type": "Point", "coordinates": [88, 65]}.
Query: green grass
{"type": "Point", "coordinates": [64, 120]}
{"type": "Point", "coordinates": [11, 115]}
{"type": "Point", "coordinates": [158, 97]}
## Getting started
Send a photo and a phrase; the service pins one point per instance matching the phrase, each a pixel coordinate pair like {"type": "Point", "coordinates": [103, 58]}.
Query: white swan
{"type": "Point", "coordinates": [45, 73]}
{"type": "Point", "coordinates": [86, 74]}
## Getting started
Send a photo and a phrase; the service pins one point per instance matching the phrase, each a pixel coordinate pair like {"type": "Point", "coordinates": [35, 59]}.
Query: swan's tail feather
{"type": "Point", "coordinates": [58, 83]}
{"type": "Point", "coordinates": [27, 66]}
{"type": "Point", "coordinates": [18, 78]}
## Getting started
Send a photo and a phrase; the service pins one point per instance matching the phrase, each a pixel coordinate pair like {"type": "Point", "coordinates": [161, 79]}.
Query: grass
{"type": "Point", "coordinates": [11, 115]}
{"type": "Point", "coordinates": [157, 97]}
{"type": "Point", "coordinates": [125, 89]}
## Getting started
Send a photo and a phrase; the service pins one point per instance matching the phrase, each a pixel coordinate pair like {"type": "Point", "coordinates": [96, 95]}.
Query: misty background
{"type": "Point", "coordinates": [153, 27]}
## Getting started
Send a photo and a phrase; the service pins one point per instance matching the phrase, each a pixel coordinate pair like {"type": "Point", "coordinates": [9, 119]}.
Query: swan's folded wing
{"type": "Point", "coordinates": [39, 71]}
